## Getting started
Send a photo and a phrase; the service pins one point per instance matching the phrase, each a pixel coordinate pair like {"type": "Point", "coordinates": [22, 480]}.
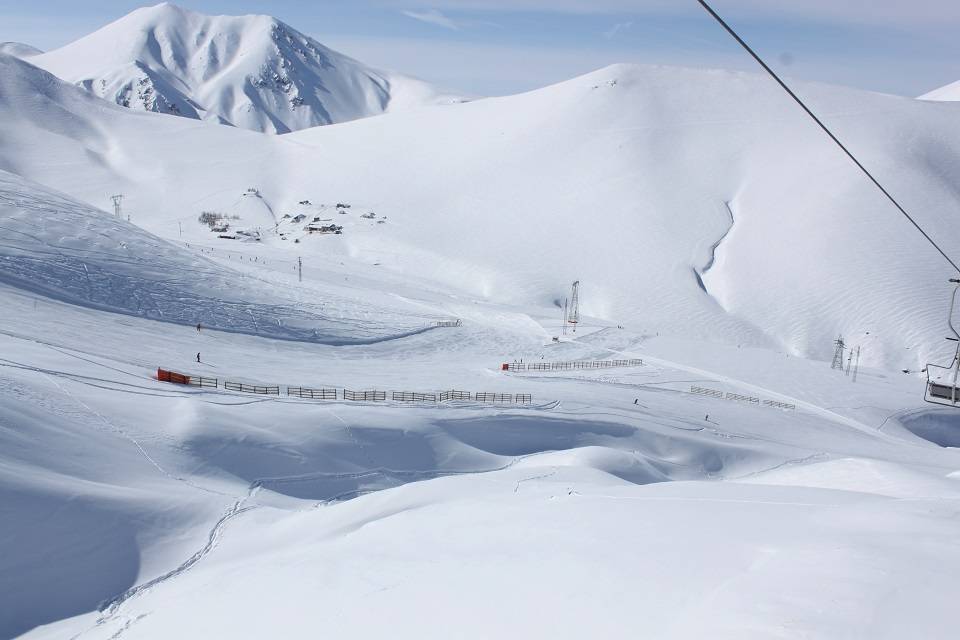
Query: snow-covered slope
{"type": "Point", "coordinates": [61, 249]}
{"type": "Point", "coordinates": [717, 490]}
{"type": "Point", "coordinates": [19, 50]}
{"type": "Point", "coordinates": [254, 72]}
{"type": "Point", "coordinates": [687, 202]}
{"type": "Point", "coordinates": [136, 509]}
{"type": "Point", "coordinates": [948, 93]}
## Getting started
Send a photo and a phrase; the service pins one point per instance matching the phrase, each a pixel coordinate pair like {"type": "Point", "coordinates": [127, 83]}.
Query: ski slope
{"type": "Point", "coordinates": [225, 514]}
{"type": "Point", "coordinates": [681, 214]}
{"type": "Point", "coordinates": [716, 237]}
{"type": "Point", "coordinates": [253, 72]}
{"type": "Point", "coordinates": [62, 249]}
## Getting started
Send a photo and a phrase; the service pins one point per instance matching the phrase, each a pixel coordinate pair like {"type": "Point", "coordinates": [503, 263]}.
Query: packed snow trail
{"type": "Point", "coordinates": [832, 416]}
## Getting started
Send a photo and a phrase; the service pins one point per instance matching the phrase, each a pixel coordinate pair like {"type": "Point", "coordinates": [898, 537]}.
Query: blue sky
{"type": "Point", "coordinates": [491, 47]}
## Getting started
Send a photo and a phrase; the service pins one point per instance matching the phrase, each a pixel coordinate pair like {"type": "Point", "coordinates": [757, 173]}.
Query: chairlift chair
{"type": "Point", "coordinates": [942, 386]}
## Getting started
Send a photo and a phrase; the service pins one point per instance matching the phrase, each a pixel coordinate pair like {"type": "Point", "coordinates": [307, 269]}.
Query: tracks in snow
{"type": "Point", "coordinates": [816, 409]}
{"type": "Point", "coordinates": [110, 607]}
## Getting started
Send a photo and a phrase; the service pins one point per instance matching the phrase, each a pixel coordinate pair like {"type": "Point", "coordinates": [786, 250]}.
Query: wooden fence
{"type": "Point", "coordinates": [736, 397]}
{"type": "Point", "coordinates": [413, 396]}
{"type": "Point", "coordinates": [455, 395]}
{"type": "Point", "coordinates": [199, 381]}
{"type": "Point", "coordinates": [570, 366]}
{"type": "Point", "coordinates": [251, 388]}
{"type": "Point", "coordinates": [312, 394]}
{"type": "Point", "coordinates": [779, 405]}
{"type": "Point", "coordinates": [707, 392]}
{"type": "Point", "coordinates": [308, 393]}
{"type": "Point", "coordinates": [508, 398]}
{"type": "Point", "coordinates": [366, 396]}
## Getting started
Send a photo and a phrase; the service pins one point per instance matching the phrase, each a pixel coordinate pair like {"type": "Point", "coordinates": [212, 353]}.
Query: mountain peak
{"type": "Point", "coordinates": [253, 71]}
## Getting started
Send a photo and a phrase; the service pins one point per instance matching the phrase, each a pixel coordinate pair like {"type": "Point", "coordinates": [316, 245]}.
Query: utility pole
{"type": "Point", "coordinates": [564, 320]}
{"type": "Point", "coordinates": [299, 269]}
{"type": "Point", "coordinates": [838, 354]}
{"type": "Point", "coordinates": [117, 199]}
{"type": "Point", "coordinates": [849, 360]}
{"type": "Point", "coordinates": [180, 226]}
{"type": "Point", "coordinates": [856, 366]}
{"type": "Point", "coordinates": [574, 317]}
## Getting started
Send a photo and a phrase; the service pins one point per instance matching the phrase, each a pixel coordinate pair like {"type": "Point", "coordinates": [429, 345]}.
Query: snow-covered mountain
{"type": "Point", "coordinates": [717, 486]}
{"type": "Point", "coordinates": [948, 93]}
{"type": "Point", "coordinates": [685, 198]}
{"type": "Point", "coordinates": [254, 72]}
{"type": "Point", "coordinates": [19, 50]}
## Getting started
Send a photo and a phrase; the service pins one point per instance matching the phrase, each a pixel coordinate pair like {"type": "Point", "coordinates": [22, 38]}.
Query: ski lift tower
{"type": "Point", "coordinates": [574, 316]}
{"type": "Point", "coordinates": [117, 199]}
{"type": "Point", "coordinates": [838, 353]}
{"type": "Point", "coordinates": [563, 320]}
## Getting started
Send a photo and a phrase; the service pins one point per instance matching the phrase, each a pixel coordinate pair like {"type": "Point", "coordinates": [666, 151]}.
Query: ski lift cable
{"type": "Point", "coordinates": [826, 129]}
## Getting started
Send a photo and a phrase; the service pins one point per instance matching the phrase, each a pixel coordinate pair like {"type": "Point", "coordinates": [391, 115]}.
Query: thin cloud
{"type": "Point", "coordinates": [434, 17]}
{"type": "Point", "coordinates": [617, 29]}
{"type": "Point", "coordinates": [873, 12]}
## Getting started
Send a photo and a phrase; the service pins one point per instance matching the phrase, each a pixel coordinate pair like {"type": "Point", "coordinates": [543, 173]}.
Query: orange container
{"type": "Point", "coordinates": [169, 376]}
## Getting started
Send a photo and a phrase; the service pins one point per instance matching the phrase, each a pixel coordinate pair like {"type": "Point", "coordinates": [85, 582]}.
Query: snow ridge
{"type": "Point", "coordinates": [19, 50]}
{"type": "Point", "coordinates": [948, 93]}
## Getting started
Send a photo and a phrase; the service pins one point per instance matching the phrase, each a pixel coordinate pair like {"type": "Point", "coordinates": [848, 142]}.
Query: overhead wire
{"type": "Point", "coordinates": [826, 129]}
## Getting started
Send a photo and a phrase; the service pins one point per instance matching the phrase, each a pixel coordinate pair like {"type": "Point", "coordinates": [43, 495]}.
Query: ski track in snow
{"type": "Point", "coordinates": [799, 402]}
{"type": "Point", "coordinates": [125, 435]}
{"type": "Point", "coordinates": [111, 610]}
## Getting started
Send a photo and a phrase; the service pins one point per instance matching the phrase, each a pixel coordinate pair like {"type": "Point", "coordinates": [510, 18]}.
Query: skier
{"type": "Point", "coordinates": [198, 356]}
{"type": "Point", "coordinates": [636, 400]}
{"type": "Point", "coordinates": [198, 327]}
